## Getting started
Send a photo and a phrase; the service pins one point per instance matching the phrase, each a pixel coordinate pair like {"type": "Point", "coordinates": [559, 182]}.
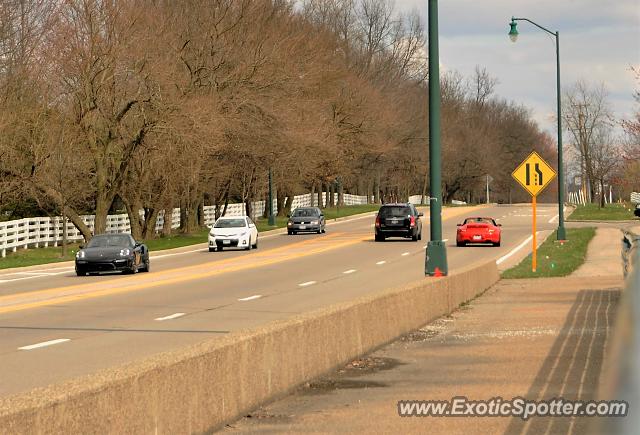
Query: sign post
{"type": "Point", "coordinates": [534, 174]}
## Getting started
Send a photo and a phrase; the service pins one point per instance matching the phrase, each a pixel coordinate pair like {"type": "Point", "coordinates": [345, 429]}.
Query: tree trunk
{"type": "Point", "coordinates": [601, 193]}
{"type": "Point", "coordinates": [134, 218]}
{"type": "Point", "coordinates": [341, 195]}
{"type": "Point", "coordinates": [313, 192]}
{"type": "Point", "coordinates": [150, 219]}
{"type": "Point", "coordinates": [287, 205]}
{"type": "Point", "coordinates": [248, 207]}
{"type": "Point", "coordinates": [332, 190]}
{"type": "Point", "coordinates": [320, 196]}
{"type": "Point", "coordinates": [280, 203]}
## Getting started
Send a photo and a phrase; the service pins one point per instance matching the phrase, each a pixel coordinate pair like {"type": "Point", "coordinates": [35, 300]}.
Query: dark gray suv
{"type": "Point", "coordinates": [306, 219]}
{"type": "Point", "coordinates": [398, 220]}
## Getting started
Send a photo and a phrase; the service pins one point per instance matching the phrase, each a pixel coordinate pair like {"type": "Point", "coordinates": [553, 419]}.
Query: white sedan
{"type": "Point", "coordinates": [233, 232]}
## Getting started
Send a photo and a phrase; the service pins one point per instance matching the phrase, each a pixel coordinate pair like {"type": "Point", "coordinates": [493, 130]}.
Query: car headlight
{"type": "Point", "coordinates": [80, 254]}
{"type": "Point", "coordinates": [125, 252]}
{"type": "Point", "coordinates": [314, 222]}
{"type": "Point", "coordinates": [289, 223]}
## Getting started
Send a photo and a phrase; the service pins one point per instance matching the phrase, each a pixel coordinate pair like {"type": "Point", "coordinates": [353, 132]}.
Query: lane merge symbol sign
{"type": "Point", "coordinates": [534, 174]}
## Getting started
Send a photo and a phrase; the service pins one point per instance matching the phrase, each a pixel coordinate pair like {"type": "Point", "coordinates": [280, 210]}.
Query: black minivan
{"type": "Point", "coordinates": [398, 220]}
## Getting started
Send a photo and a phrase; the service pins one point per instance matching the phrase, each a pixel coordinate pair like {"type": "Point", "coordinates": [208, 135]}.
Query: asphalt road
{"type": "Point", "coordinates": [55, 326]}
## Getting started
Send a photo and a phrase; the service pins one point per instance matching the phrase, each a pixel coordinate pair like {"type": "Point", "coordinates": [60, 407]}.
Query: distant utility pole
{"type": "Point", "coordinates": [489, 179]}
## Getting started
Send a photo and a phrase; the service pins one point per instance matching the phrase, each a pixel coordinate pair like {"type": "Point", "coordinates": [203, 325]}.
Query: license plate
{"type": "Point", "coordinates": [303, 227]}
{"type": "Point", "coordinates": [477, 237]}
{"type": "Point", "coordinates": [226, 242]}
{"type": "Point", "coordinates": [394, 221]}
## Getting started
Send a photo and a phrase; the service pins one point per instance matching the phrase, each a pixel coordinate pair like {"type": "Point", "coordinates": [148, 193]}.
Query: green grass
{"type": "Point", "coordinates": [177, 240]}
{"type": "Point", "coordinates": [32, 257]}
{"type": "Point", "coordinates": [611, 212]}
{"type": "Point", "coordinates": [554, 258]}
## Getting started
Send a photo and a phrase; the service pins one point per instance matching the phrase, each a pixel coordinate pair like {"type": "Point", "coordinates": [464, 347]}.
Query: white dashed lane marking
{"type": "Point", "coordinates": [250, 298]}
{"type": "Point", "coordinates": [306, 284]}
{"type": "Point", "coordinates": [172, 316]}
{"type": "Point", "coordinates": [380, 263]}
{"type": "Point", "coordinates": [44, 344]}
{"type": "Point", "coordinates": [347, 272]}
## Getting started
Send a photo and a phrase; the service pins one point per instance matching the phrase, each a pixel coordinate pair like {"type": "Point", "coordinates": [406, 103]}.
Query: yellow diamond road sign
{"type": "Point", "coordinates": [534, 174]}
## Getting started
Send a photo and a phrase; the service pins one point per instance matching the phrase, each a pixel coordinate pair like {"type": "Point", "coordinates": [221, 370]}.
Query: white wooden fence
{"type": "Point", "coordinates": [44, 231]}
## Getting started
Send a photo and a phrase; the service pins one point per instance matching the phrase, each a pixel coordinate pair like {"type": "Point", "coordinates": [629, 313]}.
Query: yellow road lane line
{"type": "Point", "coordinates": [159, 275]}
{"type": "Point", "coordinates": [54, 300]}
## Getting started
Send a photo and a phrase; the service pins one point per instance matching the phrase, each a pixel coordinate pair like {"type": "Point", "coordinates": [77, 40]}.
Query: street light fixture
{"type": "Point", "coordinates": [513, 35]}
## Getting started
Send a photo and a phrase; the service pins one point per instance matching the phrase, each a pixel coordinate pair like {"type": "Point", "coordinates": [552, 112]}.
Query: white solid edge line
{"type": "Point", "coordinates": [381, 262]}
{"type": "Point", "coordinates": [44, 344]}
{"type": "Point", "coordinates": [172, 316]}
{"type": "Point", "coordinates": [514, 250]}
{"type": "Point", "coordinates": [308, 283]}
{"type": "Point", "coordinates": [553, 218]}
{"type": "Point", "coordinates": [347, 272]}
{"type": "Point", "coordinates": [250, 298]}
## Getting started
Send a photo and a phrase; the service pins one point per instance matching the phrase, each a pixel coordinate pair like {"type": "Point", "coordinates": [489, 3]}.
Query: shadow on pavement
{"type": "Point", "coordinates": [572, 368]}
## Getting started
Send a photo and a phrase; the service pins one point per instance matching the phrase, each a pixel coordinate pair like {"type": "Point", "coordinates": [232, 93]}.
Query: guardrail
{"type": "Point", "coordinates": [622, 381]}
{"type": "Point", "coordinates": [44, 231]}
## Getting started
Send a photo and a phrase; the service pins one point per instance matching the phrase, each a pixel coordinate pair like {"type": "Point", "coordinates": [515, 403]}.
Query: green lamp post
{"type": "Point", "coordinates": [436, 256]}
{"type": "Point", "coordinates": [513, 35]}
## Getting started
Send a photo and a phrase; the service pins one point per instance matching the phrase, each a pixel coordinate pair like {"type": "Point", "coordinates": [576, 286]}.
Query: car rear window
{"type": "Point", "coordinates": [112, 241]}
{"type": "Point", "coordinates": [479, 221]}
{"type": "Point", "coordinates": [231, 223]}
{"type": "Point", "coordinates": [305, 212]}
{"type": "Point", "coordinates": [394, 212]}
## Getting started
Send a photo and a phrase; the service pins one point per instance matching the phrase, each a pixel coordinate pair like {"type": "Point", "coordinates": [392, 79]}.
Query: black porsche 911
{"type": "Point", "coordinates": [112, 252]}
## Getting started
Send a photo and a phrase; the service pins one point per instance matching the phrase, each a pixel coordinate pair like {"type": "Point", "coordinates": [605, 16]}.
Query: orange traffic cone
{"type": "Point", "coordinates": [437, 272]}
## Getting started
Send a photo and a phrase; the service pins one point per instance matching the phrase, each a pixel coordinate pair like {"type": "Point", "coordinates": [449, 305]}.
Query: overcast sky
{"type": "Point", "coordinates": [599, 42]}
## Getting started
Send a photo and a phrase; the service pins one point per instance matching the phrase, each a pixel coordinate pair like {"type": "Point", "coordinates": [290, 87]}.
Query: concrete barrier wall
{"type": "Point", "coordinates": [200, 388]}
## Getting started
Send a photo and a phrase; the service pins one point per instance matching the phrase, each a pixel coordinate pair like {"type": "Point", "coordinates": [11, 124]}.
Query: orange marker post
{"type": "Point", "coordinates": [533, 255]}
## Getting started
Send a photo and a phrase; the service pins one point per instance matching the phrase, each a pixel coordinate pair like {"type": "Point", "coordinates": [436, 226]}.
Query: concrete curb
{"type": "Point", "coordinates": [200, 388]}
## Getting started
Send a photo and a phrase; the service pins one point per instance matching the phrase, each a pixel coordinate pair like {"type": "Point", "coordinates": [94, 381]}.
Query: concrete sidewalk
{"type": "Point", "coordinates": [535, 338]}
{"type": "Point", "coordinates": [603, 254]}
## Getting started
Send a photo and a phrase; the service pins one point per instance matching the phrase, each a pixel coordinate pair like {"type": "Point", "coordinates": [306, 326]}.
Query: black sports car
{"type": "Point", "coordinates": [112, 252]}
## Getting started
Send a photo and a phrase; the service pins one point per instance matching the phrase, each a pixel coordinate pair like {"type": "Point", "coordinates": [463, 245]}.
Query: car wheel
{"type": "Point", "coordinates": [379, 238]}
{"type": "Point", "coordinates": [255, 245]}
{"type": "Point", "coordinates": [414, 237]}
{"type": "Point", "coordinates": [319, 232]}
{"type": "Point", "coordinates": [79, 273]}
{"type": "Point", "coordinates": [420, 235]}
{"type": "Point", "coordinates": [147, 265]}
{"type": "Point", "coordinates": [497, 243]}
{"type": "Point", "coordinates": [219, 248]}
{"type": "Point", "coordinates": [460, 244]}
{"type": "Point", "coordinates": [212, 249]}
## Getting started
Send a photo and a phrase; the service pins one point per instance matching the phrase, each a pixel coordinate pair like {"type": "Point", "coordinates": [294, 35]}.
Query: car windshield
{"type": "Point", "coordinates": [305, 212]}
{"type": "Point", "coordinates": [110, 241]}
{"type": "Point", "coordinates": [394, 212]}
{"type": "Point", "coordinates": [230, 223]}
{"type": "Point", "coordinates": [479, 221]}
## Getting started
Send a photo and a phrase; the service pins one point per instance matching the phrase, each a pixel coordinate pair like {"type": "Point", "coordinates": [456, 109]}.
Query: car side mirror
{"type": "Point", "coordinates": [81, 246]}
{"type": "Point", "coordinates": [458, 225]}
{"type": "Point", "coordinates": [420, 214]}
{"type": "Point", "coordinates": [289, 215]}
{"type": "Point", "coordinates": [137, 245]}
{"type": "Point", "coordinates": [499, 225]}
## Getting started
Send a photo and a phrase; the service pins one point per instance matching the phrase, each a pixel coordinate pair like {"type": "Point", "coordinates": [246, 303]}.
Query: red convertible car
{"type": "Point", "coordinates": [478, 230]}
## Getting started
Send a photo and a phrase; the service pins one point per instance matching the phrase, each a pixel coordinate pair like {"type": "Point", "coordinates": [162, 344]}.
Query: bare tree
{"type": "Point", "coordinates": [587, 117]}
